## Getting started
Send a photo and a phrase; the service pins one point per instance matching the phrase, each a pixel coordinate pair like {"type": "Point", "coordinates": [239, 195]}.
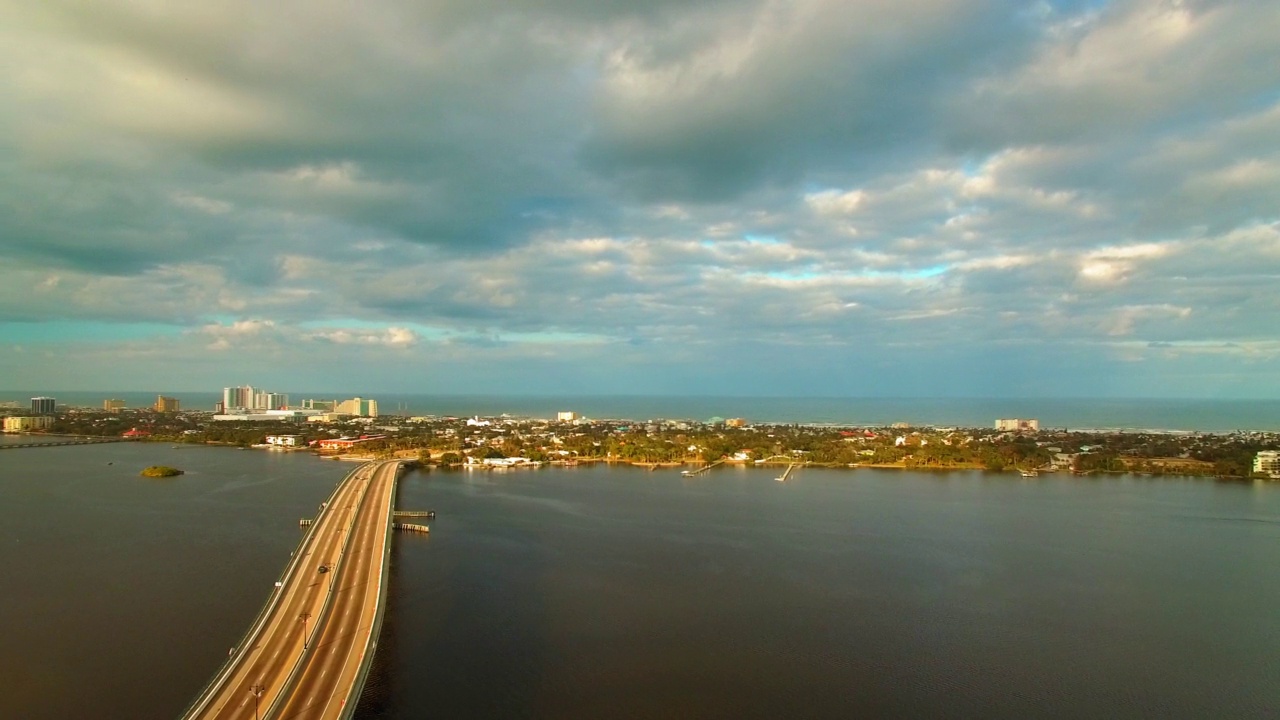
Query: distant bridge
{"type": "Point", "coordinates": [64, 443]}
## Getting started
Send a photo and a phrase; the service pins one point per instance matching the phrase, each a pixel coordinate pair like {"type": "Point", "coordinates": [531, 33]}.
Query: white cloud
{"type": "Point", "coordinates": [203, 204]}
{"type": "Point", "coordinates": [835, 202]}
{"type": "Point", "coordinates": [1123, 320]}
{"type": "Point", "coordinates": [258, 335]}
{"type": "Point", "coordinates": [392, 337]}
{"type": "Point", "coordinates": [1113, 264]}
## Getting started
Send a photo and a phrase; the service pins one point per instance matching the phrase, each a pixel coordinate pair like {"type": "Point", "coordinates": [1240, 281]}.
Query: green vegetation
{"type": "Point", "coordinates": [160, 471]}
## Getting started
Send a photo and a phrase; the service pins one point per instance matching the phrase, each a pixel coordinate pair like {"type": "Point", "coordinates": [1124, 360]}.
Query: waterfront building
{"type": "Point", "coordinates": [735, 422]}
{"type": "Point", "coordinates": [347, 443]}
{"type": "Point", "coordinates": [286, 440]}
{"type": "Point", "coordinates": [166, 404]}
{"type": "Point", "coordinates": [114, 405]}
{"type": "Point", "coordinates": [1018, 425]}
{"type": "Point", "coordinates": [503, 462]}
{"type": "Point", "coordinates": [27, 424]}
{"type": "Point", "coordinates": [43, 405]}
{"type": "Point", "coordinates": [1267, 462]}
{"type": "Point", "coordinates": [566, 416]}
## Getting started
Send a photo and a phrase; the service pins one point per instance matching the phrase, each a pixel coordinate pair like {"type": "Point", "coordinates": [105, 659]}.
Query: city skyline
{"type": "Point", "coordinates": [747, 198]}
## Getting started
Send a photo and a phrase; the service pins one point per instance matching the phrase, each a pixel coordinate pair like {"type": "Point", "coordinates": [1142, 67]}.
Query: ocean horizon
{"type": "Point", "coordinates": [1112, 414]}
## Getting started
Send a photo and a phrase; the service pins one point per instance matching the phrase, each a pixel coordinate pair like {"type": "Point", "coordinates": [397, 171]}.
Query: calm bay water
{"type": "Point", "coordinates": [122, 594]}
{"type": "Point", "coordinates": [595, 592]}
{"type": "Point", "coordinates": [1073, 413]}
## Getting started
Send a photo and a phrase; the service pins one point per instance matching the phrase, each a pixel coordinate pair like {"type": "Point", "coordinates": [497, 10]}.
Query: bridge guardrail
{"type": "Point", "coordinates": [371, 648]}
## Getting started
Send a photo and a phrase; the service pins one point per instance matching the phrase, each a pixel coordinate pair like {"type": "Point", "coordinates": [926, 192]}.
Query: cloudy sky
{"type": "Point", "coordinates": [746, 197]}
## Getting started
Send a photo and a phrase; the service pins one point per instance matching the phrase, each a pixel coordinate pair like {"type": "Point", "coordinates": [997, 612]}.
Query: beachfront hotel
{"type": "Point", "coordinates": [166, 404]}
{"type": "Point", "coordinates": [247, 398]}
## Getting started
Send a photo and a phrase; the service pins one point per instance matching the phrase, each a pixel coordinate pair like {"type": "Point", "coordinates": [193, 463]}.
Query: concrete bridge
{"type": "Point", "coordinates": [308, 653]}
{"type": "Point", "coordinates": [64, 443]}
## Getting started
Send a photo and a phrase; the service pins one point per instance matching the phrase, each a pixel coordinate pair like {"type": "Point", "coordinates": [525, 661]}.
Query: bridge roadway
{"type": "Point", "coordinates": [258, 677]}
{"type": "Point", "coordinates": [328, 684]}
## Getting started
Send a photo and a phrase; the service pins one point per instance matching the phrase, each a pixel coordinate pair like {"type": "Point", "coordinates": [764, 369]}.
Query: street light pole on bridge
{"type": "Point", "coordinates": [257, 691]}
{"type": "Point", "coordinates": [303, 617]}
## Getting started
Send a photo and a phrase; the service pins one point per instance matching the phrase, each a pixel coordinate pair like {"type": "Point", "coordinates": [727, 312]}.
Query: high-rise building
{"type": "Point", "coordinates": [263, 400]}
{"type": "Point", "coordinates": [357, 406]}
{"type": "Point", "coordinates": [113, 405]}
{"type": "Point", "coordinates": [566, 416]}
{"type": "Point", "coordinates": [237, 397]}
{"type": "Point", "coordinates": [165, 404]}
{"type": "Point", "coordinates": [1018, 424]}
{"type": "Point", "coordinates": [43, 405]}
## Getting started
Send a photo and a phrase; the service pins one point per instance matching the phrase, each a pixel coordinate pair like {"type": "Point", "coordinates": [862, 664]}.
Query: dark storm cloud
{"type": "Point", "coordinates": [793, 93]}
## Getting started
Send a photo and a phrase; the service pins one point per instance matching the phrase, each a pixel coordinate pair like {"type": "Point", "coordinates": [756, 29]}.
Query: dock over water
{"type": "Point", "coordinates": [701, 470]}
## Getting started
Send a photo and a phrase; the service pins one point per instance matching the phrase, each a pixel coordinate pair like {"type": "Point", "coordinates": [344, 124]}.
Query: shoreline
{"type": "Point", "coordinates": [651, 467]}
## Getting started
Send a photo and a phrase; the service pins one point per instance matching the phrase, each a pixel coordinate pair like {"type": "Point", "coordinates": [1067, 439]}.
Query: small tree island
{"type": "Point", "coordinates": [160, 471]}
